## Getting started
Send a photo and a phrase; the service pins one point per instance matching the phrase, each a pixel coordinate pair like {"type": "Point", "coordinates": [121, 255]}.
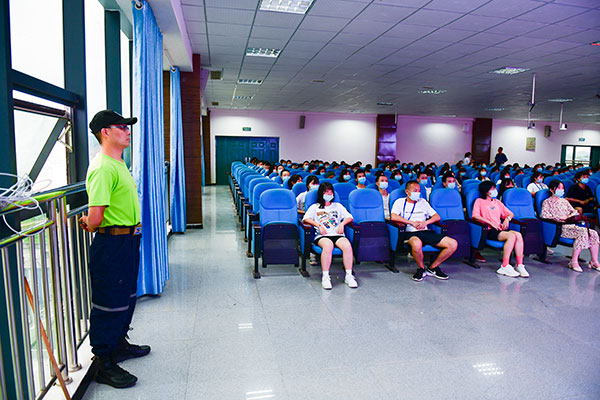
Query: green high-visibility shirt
{"type": "Point", "coordinates": [109, 183]}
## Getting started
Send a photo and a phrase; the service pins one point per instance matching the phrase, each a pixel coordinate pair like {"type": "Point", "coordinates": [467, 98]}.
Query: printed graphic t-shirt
{"type": "Point", "coordinates": [329, 217]}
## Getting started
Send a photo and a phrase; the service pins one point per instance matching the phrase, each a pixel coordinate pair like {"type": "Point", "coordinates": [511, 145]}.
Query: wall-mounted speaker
{"type": "Point", "coordinates": [302, 121]}
{"type": "Point", "coordinates": [547, 130]}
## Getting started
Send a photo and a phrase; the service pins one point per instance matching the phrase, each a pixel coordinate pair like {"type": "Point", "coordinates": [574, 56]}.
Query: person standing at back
{"type": "Point", "coordinates": [500, 157]}
{"type": "Point", "coordinates": [114, 215]}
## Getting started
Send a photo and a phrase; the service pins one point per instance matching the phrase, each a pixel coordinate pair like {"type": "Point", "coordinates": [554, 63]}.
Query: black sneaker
{"type": "Point", "coordinates": [418, 276]}
{"type": "Point", "coordinates": [111, 374]}
{"type": "Point", "coordinates": [437, 273]}
{"type": "Point", "coordinates": [126, 351]}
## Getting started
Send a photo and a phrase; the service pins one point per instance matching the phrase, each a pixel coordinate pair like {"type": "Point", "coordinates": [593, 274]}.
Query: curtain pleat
{"type": "Point", "coordinates": [177, 186]}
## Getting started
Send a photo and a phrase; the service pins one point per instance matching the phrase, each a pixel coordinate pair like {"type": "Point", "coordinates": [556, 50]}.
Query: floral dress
{"type": "Point", "coordinates": [559, 209]}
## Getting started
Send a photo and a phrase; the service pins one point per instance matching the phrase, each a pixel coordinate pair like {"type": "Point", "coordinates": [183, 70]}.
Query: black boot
{"type": "Point", "coordinates": [126, 350]}
{"type": "Point", "coordinates": [111, 374]}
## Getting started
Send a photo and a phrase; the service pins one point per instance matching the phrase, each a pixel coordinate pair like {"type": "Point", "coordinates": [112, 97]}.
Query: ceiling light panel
{"type": "Point", "coordinates": [243, 97]}
{"type": "Point", "coordinates": [560, 100]}
{"type": "Point", "coordinates": [509, 70]}
{"type": "Point", "coordinates": [432, 91]}
{"type": "Point", "coordinates": [262, 52]}
{"type": "Point", "coordinates": [287, 6]}
{"type": "Point", "coordinates": [250, 81]}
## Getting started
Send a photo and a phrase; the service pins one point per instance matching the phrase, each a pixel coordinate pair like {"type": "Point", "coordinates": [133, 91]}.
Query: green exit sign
{"type": "Point", "coordinates": [582, 139]}
{"type": "Point", "coordinates": [246, 129]}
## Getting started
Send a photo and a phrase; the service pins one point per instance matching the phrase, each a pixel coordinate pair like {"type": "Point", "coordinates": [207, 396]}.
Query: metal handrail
{"type": "Point", "coordinates": [53, 257]}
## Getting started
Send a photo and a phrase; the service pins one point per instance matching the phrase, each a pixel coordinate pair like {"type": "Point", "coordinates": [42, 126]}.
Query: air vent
{"type": "Point", "coordinates": [216, 75]}
{"type": "Point", "coordinates": [215, 103]}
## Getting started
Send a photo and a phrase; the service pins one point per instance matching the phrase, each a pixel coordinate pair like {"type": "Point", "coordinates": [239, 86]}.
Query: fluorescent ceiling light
{"type": "Point", "coordinates": [385, 103]}
{"type": "Point", "coordinates": [250, 81]}
{"type": "Point", "coordinates": [243, 97]}
{"type": "Point", "coordinates": [432, 91]}
{"type": "Point", "coordinates": [559, 100]}
{"type": "Point", "coordinates": [596, 114]}
{"type": "Point", "coordinates": [288, 6]}
{"type": "Point", "coordinates": [262, 52]}
{"type": "Point", "coordinates": [509, 70]}
{"type": "Point", "coordinates": [495, 109]}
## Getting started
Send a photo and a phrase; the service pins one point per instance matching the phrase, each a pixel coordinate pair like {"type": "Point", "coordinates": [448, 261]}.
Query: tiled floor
{"type": "Point", "coordinates": [216, 333]}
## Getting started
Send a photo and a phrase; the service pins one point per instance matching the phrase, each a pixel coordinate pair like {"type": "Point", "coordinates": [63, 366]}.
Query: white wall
{"type": "Point", "coordinates": [511, 135]}
{"type": "Point", "coordinates": [433, 138]}
{"type": "Point", "coordinates": [327, 136]}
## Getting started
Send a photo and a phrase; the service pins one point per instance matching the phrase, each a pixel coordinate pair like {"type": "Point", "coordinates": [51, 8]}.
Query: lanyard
{"type": "Point", "coordinates": [411, 212]}
{"type": "Point", "coordinates": [540, 187]}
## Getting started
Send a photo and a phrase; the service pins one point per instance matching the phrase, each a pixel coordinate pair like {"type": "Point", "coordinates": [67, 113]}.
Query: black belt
{"type": "Point", "coordinates": [121, 230]}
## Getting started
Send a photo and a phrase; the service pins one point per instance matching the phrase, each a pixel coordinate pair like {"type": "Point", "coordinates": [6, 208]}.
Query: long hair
{"type": "Point", "coordinates": [310, 180]}
{"type": "Point", "coordinates": [342, 173]}
{"type": "Point", "coordinates": [322, 189]}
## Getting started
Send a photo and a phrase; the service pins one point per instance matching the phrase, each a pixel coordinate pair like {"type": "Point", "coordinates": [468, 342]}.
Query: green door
{"type": "Point", "coordinates": [236, 148]}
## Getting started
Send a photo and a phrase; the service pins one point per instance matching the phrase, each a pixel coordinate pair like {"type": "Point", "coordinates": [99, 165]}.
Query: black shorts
{"type": "Point", "coordinates": [492, 234]}
{"type": "Point", "coordinates": [334, 239]}
{"type": "Point", "coordinates": [427, 237]}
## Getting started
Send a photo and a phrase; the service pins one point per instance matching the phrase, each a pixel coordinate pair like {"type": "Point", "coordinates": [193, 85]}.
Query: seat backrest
{"type": "Point", "coordinates": [469, 184]}
{"type": "Point", "coordinates": [519, 180]}
{"type": "Point", "coordinates": [252, 186]}
{"type": "Point", "coordinates": [298, 188]}
{"type": "Point", "coordinates": [526, 181]}
{"type": "Point", "coordinates": [470, 198]}
{"type": "Point", "coordinates": [249, 180]}
{"type": "Point", "coordinates": [342, 191]}
{"type": "Point", "coordinates": [540, 196]}
{"type": "Point", "coordinates": [392, 185]}
{"type": "Point", "coordinates": [366, 205]}
{"type": "Point", "coordinates": [520, 202]}
{"type": "Point", "coordinates": [567, 183]}
{"type": "Point", "coordinates": [333, 181]}
{"type": "Point", "coordinates": [278, 206]}
{"type": "Point", "coordinates": [258, 190]}
{"type": "Point", "coordinates": [494, 176]}
{"type": "Point", "coordinates": [372, 186]}
{"type": "Point", "coordinates": [448, 204]}
{"type": "Point", "coordinates": [278, 180]}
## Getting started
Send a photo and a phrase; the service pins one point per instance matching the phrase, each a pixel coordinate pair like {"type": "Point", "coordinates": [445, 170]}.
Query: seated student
{"type": "Point", "coordinates": [285, 176]}
{"type": "Point", "coordinates": [503, 175]}
{"type": "Point", "coordinates": [505, 184]}
{"type": "Point", "coordinates": [423, 180]}
{"type": "Point", "coordinates": [312, 183]}
{"type": "Point", "coordinates": [559, 209]}
{"type": "Point", "coordinates": [329, 219]}
{"type": "Point", "coordinates": [482, 175]}
{"type": "Point", "coordinates": [330, 175]}
{"type": "Point", "coordinates": [397, 175]}
{"type": "Point", "coordinates": [462, 175]}
{"type": "Point", "coordinates": [492, 212]}
{"type": "Point", "coordinates": [467, 159]}
{"type": "Point", "coordinates": [345, 175]}
{"type": "Point", "coordinates": [580, 195]}
{"type": "Point", "coordinates": [292, 181]}
{"type": "Point", "coordinates": [361, 179]}
{"type": "Point", "coordinates": [321, 170]}
{"type": "Point", "coordinates": [449, 181]}
{"type": "Point", "coordinates": [382, 185]}
{"type": "Point", "coordinates": [537, 183]}
{"type": "Point", "coordinates": [416, 214]}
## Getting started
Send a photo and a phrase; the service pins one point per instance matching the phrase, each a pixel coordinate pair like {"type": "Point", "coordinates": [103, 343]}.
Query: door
{"type": "Point", "coordinates": [237, 148]}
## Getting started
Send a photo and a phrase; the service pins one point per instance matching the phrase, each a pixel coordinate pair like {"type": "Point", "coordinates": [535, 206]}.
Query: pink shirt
{"type": "Point", "coordinates": [490, 210]}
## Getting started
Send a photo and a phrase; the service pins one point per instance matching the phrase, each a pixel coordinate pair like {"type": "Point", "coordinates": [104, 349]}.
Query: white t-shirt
{"type": "Point", "coordinates": [534, 187]}
{"type": "Point", "coordinates": [386, 205]}
{"type": "Point", "coordinates": [329, 217]}
{"type": "Point", "coordinates": [419, 211]}
{"type": "Point", "coordinates": [300, 200]}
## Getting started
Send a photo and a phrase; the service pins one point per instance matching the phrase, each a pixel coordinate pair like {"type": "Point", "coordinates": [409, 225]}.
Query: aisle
{"type": "Point", "coordinates": [216, 333]}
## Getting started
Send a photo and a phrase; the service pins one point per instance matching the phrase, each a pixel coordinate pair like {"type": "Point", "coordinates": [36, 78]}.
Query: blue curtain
{"type": "Point", "coordinates": [177, 186]}
{"type": "Point", "coordinates": [148, 150]}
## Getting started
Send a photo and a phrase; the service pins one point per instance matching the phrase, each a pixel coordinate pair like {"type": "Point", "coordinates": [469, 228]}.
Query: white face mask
{"type": "Point", "coordinates": [327, 197]}
{"type": "Point", "coordinates": [314, 187]}
{"type": "Point", "coordinates": [415, 196]}
{"type": "Point", "coordinates": [383, 185]}
{"type": "Point", "coordinates": [451, 185]}
{"type": "Point", "coordinates": [493, 193]}
{"type": "Point", "coordinates": [559, 192]}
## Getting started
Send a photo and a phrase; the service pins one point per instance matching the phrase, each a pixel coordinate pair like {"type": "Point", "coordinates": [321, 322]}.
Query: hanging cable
{"type": "Point", "coordinates": [20, 195]}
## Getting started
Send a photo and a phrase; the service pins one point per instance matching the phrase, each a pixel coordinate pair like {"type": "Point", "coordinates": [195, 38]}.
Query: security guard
{"type": "Point", "coordinates": [114, 214]}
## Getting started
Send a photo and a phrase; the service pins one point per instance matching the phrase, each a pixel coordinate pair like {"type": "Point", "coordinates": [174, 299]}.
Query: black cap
{"type": "Point", "coordinates": [106, 118]}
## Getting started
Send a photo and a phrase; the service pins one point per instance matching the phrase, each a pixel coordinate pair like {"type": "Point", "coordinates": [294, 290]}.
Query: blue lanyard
{"type": "Point", "coordinates": [411, 212]}
{"type": "Point", "coordinates": [540, 187]}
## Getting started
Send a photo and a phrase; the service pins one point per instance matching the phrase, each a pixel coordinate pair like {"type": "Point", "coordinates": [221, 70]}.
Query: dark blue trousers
{"type": "Point", "coordinates": [114, 264]}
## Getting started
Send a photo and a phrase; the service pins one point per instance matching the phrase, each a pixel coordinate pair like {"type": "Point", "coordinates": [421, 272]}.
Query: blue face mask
{"type": "Point", "coordinates": [285, 178]}
{"type": "Point", "coordinates": [559, 192]}
{"type": "Point", "coordinates": [367, 173]}
{"type": "Point", "coordinates": [383, 185]}
{"type": "Point", "coordinates": [483, 173]}
{"type": "Point", "coordinates": [539, 169]}
{"type": "Point", "coordinates": [314, 187]}
{"type": "Point", "coordinates": [415, 196]}
{"type": "Point", "coordinates": [398, 177]}
{"type": "Point", "coordinates": [585, 180]}
{"type": "Point", "coordinates": [452, 185]}
{"type": "Point", "coordinates": [463, 174]}
{"type": "Point", "coordinates": [493, 193]}
{"type": "Point", "coordinates": [346, 177]}
{"type": "Point", "coordinates": [306, 167]}
{"type": "Point", "coordinates": [362, 180]}
{"type": "Point", "coordinates": [327, 197]}
{"type": "Point", "coordinates": [423, 181]}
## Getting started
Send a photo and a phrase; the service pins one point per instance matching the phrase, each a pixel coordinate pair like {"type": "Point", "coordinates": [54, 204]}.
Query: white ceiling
{"type": "Point", "coordinates": [368, 51]}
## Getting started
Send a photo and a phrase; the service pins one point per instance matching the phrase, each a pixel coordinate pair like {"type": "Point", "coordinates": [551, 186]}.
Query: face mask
{"type": "Point", "coordinates": [493, 193]}
{"type": "Point", "coordinates": [483, 173]}
{"type": "Point", "coordinates": [559, 192]}
{"type": "Point", "coordinates": [539, 169]}
{"type": "Point", "coordinates": [507, 177]}
{"type": "Point", "coordinates": [539, 180]}
{"type": "Point", "coordinates": [423, 181]}
{"type": "Point", "coordinates": [367, 173]}
{"type": "Point", "coordinates": [398, 177]}
{"type": "Point", "coordinates": [463, 174]}
{"type": "Point", "coordinates": [346, 177]}
{"type": "Point", "coordinates": [327, 197]}
{"type": "Point", "coordinates": [585, 180]}
{"type": "Point", "coordinates": [306, 167]}
{"type": "Point", "coordinates": [467, 160]}
{"type": "Point", "coordinates": [362, 180]}
{"type": "Point", "coordinates": [452, 185]}
{"type": "Point", "coordinates": [314, 187]}
{"type": "Point", "coordinates": [415, 196]}
{"type": "Point", "coordinates": [387, 169]}
{"type": "Point", "coordinates": [285, 178]}
{"type": "Point", "coordinates": [383, 185]}
{"type": "Point", "coordinates": [279, 172]}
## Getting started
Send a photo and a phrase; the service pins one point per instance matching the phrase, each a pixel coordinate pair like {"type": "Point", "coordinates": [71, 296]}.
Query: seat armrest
{"type": "Point", "coordinates": [400, 226]}
{"type": "Point", "coordinates": [481, 224]}
{"type": "Point", "coordinates": [553, 222]}
{"type": "Point", "coordinates": [518, 222]}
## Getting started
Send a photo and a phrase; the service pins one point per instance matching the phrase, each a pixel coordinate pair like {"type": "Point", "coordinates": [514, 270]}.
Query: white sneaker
{"type": "Point", "coordinates": [326, 282]}
{"type": "Point", "coordinates": [313, 259]}
{"type": "Point", "coordinates": [350, 281]}
{"type": "Point", "coordinates": [508, 271]}
{"type": "Point", "coordinates": [522, 271]}
{"type": "Point", "coordinates": [549, 251]}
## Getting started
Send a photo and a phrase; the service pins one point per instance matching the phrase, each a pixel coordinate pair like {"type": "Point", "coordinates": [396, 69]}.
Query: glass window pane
{"type": "Point", "coordinates": [54, 173]}
{"type": "Point", "coordinates": [125, 93]}
{"type": "Point", "coordinates": [582, 154]}
{"type": "Point", "coordinates": [95, 65]}
{"type": "Point", "coordinates": [569, 154]}
{"type": "Point", "coordinates": [36, 39]}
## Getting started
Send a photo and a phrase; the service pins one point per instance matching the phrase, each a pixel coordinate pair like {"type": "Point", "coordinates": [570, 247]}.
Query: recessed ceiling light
{"type": "Point", "coordinates": [509, 70]}
{"type": "Point", "coordinates": [448, 115]}
{"type": "Point", "coordinates": [596, 114]}
{"type": "Point", "coordinates": [559, 100]}
{"type": "Point", "coordinates": [288, 6]}
{"type": "Point", "coordinates": [262, 52]}
{"type": "Point", "coordinates": [318, 81]}
{"type": "Point", "coordinates": [428, 90]}
{"type": "Point", "coordinates": [250, 81]}
{"type": "Point", "coordinates": [595, 43]}
{"type": "Point", "coordinates": [385, 103]}
{"type": "Point", "coordinates": [495, 109]}
{"type": "Point", "coordinates": [243, 97]}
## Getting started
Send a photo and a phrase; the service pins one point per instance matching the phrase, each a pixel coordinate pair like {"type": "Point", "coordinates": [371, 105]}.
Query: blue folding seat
{"type": "Point", "coordinates": [567, 183]}
{"type": "Point", "coordinates": [239, 186]}
{"type": "Point", "coordinates": [276, 231]}
{"type": "Point", "coordinates": [371, 178]}
{"type": "Point", "coordinates": [247, 204]}
{"type": "Point", "coordinates": [278, 180]}
{"type": "Point", "coordinates": [520, 203]}
{"type": "Point", "coordinates": [333, 181]}
{"type": "Point", "coordinates": [598, 202]}
{"type": "Point", "coordinates": [368, 232]}
{"type": "Point", "coordinates": [448, 204]}
{"type": "Point", "coordinates": [244, 197]}
{"type": "Point", "coordinates": [392, 185]}
{"type": "Point", "coordinates": [253, 211]}
{"type": "Point", "coordinates": [342, 191]}
{"type": "Point", "coordinates": [468, 185]}
{"type": "Point", "coordinates": [494, 177]}
{"type": "Point", "coordinates": [478, 230]}
{"type": "Point", "coordinates": [298, 188]}
{"type": "Point", "coordinates": [519, 180]}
